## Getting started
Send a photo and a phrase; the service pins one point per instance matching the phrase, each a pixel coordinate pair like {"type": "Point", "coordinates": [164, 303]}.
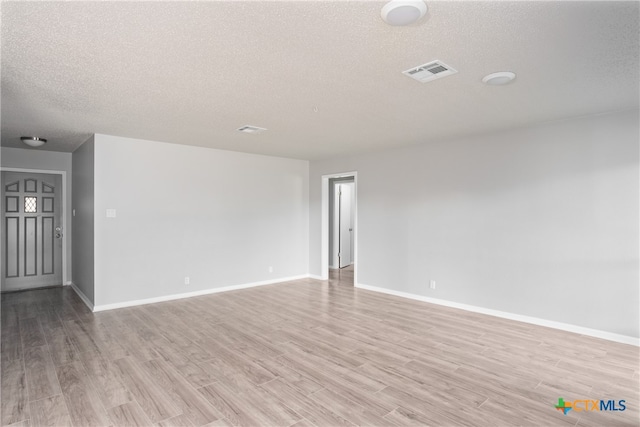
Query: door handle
{"type": "Point", "coordinates": [58, 232]}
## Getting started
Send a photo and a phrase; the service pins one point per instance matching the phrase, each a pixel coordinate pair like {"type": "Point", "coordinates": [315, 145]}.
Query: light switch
{"type": "Point", "coordinates": [111, 213]}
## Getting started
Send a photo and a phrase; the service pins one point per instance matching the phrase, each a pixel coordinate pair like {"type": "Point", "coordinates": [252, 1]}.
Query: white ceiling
{"type": "Point", "coordinates": [324, 77]}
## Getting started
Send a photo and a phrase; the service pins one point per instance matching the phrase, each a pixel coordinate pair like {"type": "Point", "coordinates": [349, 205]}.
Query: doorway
{"type": "Point", "coordinates": [32, 232]}
{"type": "Point", "coordinates": [339, 228]}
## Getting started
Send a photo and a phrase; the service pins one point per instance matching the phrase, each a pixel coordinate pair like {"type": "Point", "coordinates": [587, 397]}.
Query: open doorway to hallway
{"type": "Point", "coordinates": [341, 206]}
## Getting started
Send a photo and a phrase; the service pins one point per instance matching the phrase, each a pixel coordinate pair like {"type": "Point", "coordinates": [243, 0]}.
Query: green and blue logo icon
{"type": "Point", "coordinates": [563, 406]}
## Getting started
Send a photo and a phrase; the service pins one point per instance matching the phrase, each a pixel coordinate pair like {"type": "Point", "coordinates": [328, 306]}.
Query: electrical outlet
{"type": "Point", "coordinates": [270, 269]}
{"type": "Point", "coordinates": [187, 280]}
{"type": "Point", "coordinates": [432, 284]}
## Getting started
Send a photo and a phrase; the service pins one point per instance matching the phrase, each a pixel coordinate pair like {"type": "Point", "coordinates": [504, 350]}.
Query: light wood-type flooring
{"type": "Point", "coordinates": [302, 353]}
{"type": "Point", "coordinates": [343, 276]}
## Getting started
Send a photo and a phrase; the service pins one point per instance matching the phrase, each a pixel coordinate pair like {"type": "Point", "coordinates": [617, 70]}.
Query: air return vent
{"type": "Point", "coordinates": [251, 129]}
{"type": "Point", "coordinates": [430, 71]}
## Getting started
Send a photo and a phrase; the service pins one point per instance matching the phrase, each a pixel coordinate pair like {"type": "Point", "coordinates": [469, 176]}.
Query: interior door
{"type": "Point", "coordinates": [31, 230]}
{"type": "Point", "coordinates": [346, 224]}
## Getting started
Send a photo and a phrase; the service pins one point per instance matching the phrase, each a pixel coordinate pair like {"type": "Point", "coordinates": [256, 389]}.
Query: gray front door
{"type": "Point", "coordinates": [31, 230]}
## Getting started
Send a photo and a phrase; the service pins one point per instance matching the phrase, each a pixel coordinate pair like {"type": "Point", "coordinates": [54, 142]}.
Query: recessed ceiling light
{"type": "Point", "coordinates": [33, 141]}
{"type": "Point", "coordinates": [250, 129]}
{"type": "Point", "coordinates": [499, 78]}
{"type": "Point", "coordinates": [403, 12]}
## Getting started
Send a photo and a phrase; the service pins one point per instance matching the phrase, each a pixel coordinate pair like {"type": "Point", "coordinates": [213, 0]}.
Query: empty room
{"type": "Point", "coordinates": [320, 213]}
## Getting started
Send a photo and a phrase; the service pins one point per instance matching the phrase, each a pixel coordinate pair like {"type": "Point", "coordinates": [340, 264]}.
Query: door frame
{"type": "Point", "coordinates": [324, 224]}
{"type": "Point", "coordinates": [63, 212]}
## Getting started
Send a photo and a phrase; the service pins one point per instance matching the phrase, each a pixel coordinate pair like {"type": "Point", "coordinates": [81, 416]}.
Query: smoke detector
{"type": "Point", "coordinates": [250, 129]}
{"type": "Point", "coordinates": [430, 71]}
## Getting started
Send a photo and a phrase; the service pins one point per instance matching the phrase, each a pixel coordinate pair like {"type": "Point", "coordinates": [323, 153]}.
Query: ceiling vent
{"type": "Point", "coordinates": [251, 129]}
{"type": "Point", "coordinates": [430, 71]}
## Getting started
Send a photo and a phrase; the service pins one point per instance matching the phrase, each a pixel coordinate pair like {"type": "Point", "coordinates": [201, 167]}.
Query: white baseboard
{"type": "Point", "coordinates": [82, 296]}
{"type": "Point", "coordinates": [313, 276]}
{"type": "Point", "coordinates": [194, 294]}
{"type": "Point", "coordinates": [625, 339]}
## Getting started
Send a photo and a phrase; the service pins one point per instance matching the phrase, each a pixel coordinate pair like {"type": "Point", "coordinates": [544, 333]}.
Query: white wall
{"type": "Point", "coordinates": [45, 160]}
{"type": "Point", "coordinates": [83, 221]}
{"type": "Point", "coordinates": [222, 218]}
{"type": "Point", "coordinates": [541, 222]}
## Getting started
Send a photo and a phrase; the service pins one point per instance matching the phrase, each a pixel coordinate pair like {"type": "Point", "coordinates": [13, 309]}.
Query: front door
{"type": "Point", "coordinates": [31, 230]}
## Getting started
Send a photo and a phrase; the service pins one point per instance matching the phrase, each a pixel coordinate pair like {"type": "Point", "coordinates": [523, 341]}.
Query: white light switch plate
{"type": "Point", "coordinates": [111, 213]}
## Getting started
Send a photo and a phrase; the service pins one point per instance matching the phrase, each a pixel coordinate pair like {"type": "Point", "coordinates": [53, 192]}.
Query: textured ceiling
{"type": "Point", "coordinates": [323, 77]}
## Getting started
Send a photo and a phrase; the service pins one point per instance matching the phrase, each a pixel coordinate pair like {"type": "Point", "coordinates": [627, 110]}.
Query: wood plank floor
{"type": "Point", "coordinates": [303, 353]}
